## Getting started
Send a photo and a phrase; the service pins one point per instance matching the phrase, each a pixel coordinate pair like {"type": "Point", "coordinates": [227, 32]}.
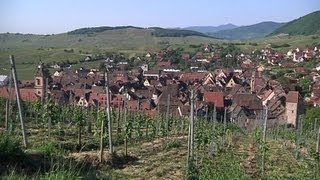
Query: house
{"type": "Point", "coordinates": [164, 64]}
{"type": "Point", "coordinates": [246, 110]}
{"type": "Point", "coordinates": [148, 55]}
{"type": "Point", "coordinates": [196, 77]}
{"type": "Point", "coordinates": [56, 66]}
{"type": "Point", "coordinates": [185, 56]}
{"type": "Point", "coordinates": [214, 97]}
{"type": "Point", "coordinates": [151, 74]}
{"type": "Point", "coordinates": [292, 107]}
{"type": "Point", "coordinates": [298, 59]}
{"type": "Point", "coordinates": [4, 80]}
{"type": "Point", "coordinates": [88, 58]}
{"type": "Point", "coordinates": [232, 82]}
{"type": "Point", "coordinates": [145, 67]}
{"type": "Point", "coordinates": [318, 67]}
{"type": "Point", "coordinates": [229, 56]}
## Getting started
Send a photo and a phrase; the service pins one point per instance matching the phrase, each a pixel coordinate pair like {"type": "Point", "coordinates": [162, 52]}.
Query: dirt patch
{"type": "Point", "coordinates": [115, 160]}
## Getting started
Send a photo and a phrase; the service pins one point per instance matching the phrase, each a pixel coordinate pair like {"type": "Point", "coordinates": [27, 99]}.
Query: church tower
{"type": "Point", "coordinates": [40, 81]}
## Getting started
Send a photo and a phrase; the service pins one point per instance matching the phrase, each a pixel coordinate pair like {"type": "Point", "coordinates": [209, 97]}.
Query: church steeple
{"type": "Point", "coordinates": [39, 71]}
{"type": "Point", "coordinates": [40, 81]}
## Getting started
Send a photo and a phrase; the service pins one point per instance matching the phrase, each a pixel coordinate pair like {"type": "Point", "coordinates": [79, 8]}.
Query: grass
{"type": "Point", "coordinates": [163, 158]}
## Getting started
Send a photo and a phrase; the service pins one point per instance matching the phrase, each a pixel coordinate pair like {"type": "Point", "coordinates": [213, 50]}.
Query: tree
{"type": "Point", "coordinates": [285, 82]}
{"type": "Point", "coordinates": [304, 84]}
{"type": "Point", "coordinates": [309, 118]}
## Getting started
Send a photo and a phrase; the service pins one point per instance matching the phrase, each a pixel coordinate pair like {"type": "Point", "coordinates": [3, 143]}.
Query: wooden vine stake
{"type": "Point", "coordinates": [191, 132]}
{"type": "Point", "coordinates": [265, 117]}
{"type": "Point", "coordinates": [18, 97]}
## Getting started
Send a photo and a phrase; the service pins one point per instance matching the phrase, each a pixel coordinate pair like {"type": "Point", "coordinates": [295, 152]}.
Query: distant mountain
{"type": "Point", "coordinates": [305, 25]}
{"type": "Point", "coordinates": [248, 32]}
{"type": "Point", "coordinates": [158, 32]}
{"type": "Point", "coordinates": [210, 29]}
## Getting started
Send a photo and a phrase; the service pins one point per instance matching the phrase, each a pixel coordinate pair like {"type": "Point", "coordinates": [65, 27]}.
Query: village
{"type": "Point", "coordinates": [241, 93]}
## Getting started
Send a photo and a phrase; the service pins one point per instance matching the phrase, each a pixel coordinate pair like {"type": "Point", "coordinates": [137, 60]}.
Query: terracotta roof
{"type": "Point", "coordinates": [250, 101]}
{"type": "Point", "coordinates": [266, 94]}
{"type": "Point", "coordinates": [214, 97]}
{"type": "Point", "coordinates": [293, 97]}
{"type": "Point", "coordinates": [192, 76]}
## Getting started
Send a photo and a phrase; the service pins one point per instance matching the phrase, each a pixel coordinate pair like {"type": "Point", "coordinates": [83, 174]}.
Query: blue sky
{"type": "Point", "coordinates": [55, 16]}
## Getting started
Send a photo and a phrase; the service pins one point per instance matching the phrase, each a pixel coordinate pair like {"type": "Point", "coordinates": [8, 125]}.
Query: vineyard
{"type": "Point", "coordinates": [64, 143]}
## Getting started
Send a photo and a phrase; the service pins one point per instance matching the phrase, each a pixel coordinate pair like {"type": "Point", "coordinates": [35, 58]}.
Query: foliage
{"type": "Point", "coordinates": [285, 82]}
{"type": "Point", "coordinates": [160, 32]}
{"type": "Point", "coordinates": [60, 172]}
{"type": "Point", "coordinates": [174, 55]}
{"type": "Point", "coordinates": [98, 29]}
{"type": "Point", "coordinates": [225, 166]}
{"type": "Point", "coordinates": [280, 46]}
{"type": "Point", "coordinates": [51, 148]}
{"type": "Point", "coordinates": [172, 144]}
{"type": "Point", "coordinates": [10, 149]}
{"type": "Point", "coordinates": [304, 84]}
{"type": "Point", "coordinates": [309, 118]}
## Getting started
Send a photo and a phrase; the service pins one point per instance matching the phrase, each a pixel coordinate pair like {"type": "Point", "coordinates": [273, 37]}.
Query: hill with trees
{"type": "Point", "coordinates": [248, 32]}
{"type": "Point", "coordinates": [305, 25]}
{"type": "Point", "coordinates": [161, 32]}
{"type": "Point", "coordinates": [99, 29]}
{"type": "Point", "coordinates": [211, 29]}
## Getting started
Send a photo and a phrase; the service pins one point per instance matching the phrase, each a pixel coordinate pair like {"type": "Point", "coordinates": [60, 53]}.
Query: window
{"type": "Point", "coordinates": [38, 82]}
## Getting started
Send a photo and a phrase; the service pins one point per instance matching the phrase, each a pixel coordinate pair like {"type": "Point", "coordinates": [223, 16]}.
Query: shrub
{"type": "Point", "coordinates": [10, 149]}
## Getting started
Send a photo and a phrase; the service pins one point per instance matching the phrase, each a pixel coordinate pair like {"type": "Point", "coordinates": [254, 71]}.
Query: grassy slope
{"type": "Point", "coordinates": [306, 25]}
{"type": "Point", "coordinates": [294, 42]}
{"type": "Point", "coordinates": [130, 41]}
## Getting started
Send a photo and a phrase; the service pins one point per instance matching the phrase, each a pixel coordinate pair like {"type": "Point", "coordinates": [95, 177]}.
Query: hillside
{"type": "Point", "coordinates": [211, 29]}
{"type": "Point", "coordinates": [248, 32]}
{"type": "Point", "coordinates": [305, 25]}
{"type": "Point", "coordinates": [51, 47]}
{"type": "Point", "coordinates": [75, 45]}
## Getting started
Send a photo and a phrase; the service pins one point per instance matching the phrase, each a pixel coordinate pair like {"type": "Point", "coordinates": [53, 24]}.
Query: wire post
{"type": "Point", "coordinates": [18, 97]}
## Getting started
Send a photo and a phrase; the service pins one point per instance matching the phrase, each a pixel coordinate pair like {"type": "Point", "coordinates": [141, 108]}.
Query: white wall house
{"type": "Point", "coordinates": [4, 80]}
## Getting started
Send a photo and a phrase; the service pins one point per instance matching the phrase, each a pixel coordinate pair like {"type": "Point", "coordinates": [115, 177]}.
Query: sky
{"type": "Point", "coordinates": [57, 16]}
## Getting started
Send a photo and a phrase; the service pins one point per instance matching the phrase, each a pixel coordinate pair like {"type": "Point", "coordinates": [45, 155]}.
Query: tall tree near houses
{"type": "Point", "coordinates": [18, 98]}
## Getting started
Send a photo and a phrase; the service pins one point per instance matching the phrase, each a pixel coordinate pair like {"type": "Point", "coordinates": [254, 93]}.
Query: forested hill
{"type": "Point", "coordinates": [248, 32]}
{"type": "Point", "coordinates": [305, 25]}
{"type": "Point", "coordinates": [157, 31]}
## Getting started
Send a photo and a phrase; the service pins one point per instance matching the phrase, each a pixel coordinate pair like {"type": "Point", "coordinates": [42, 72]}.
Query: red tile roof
{"type": "Point", "coordinates": [293, 97]}
{"type": "Point", "coordinates": [214, 97]}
